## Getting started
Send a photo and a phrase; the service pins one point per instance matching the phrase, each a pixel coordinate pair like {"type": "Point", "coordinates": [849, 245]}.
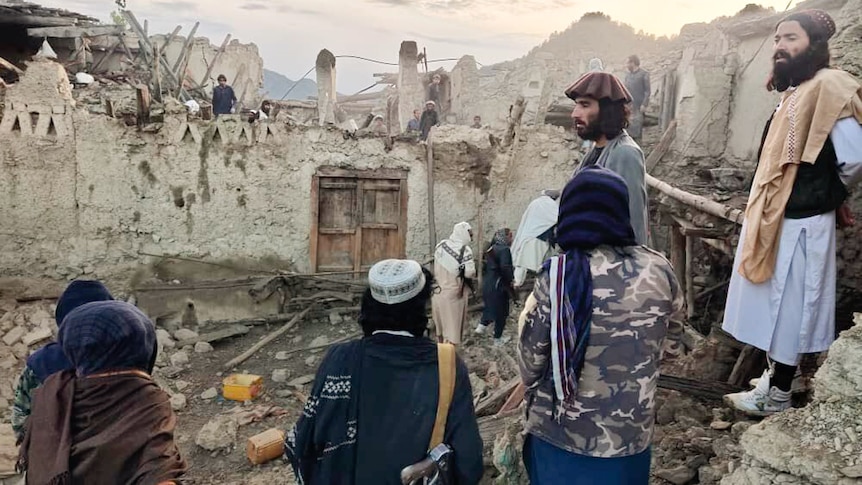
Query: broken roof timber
{"type": "Point", "coordinates": [74, 32]}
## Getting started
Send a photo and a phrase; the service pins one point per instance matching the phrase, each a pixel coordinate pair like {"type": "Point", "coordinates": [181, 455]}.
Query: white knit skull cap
{"type": "Point", "coordinates": [395, 280]}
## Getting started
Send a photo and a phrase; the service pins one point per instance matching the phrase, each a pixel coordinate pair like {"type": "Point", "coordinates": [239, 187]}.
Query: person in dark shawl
{"type": "Point", "coordinates": [104, 421]}
{"type": "Point", "coordinates": [591, 339]}
{"type": "Point", "coordinates": [50, 358]}
{"type": "Point", "coordinates": [373, 403]}
{"type": "Point", "coordinates": [429, 120]}
{"type": "Point", "coordinates": [497, 289]}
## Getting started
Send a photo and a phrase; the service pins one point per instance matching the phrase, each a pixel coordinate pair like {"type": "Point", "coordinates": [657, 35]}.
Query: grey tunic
{"type": "Point", "coordinates": [623, 156]}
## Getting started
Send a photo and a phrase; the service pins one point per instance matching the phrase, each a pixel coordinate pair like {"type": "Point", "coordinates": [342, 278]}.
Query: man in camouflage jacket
{"type": "Point", "coordinates": [636, 303]}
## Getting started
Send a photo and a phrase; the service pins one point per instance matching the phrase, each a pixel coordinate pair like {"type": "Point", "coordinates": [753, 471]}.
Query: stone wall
{"type": "Point", "coordinates": [92, 199]}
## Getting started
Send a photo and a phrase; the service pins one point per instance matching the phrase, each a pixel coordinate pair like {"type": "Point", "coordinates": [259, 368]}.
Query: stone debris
{"type": "Point", "coordinates": [319, 341]}
{"type": "Point", "coordinates": [311, 360]}
{"type": "Point", "coordinates": [181, 385]}
{"type": "Point", "coordinates": [164, 338]}
{"type": "Point", "coordinates": [185, 334]}
{"type": "Point", "coordinates": [335, 318]}
{"type": "Point", "coordinates": [203, 347]}
{"type": "Point", "coordinates": [720, 425]}
{"type": "Point", "coordinates": [210, 393]}
{"type": "Point", "coordinates": [280, 375]}
{"type": "Point", "coordinates": [218, 433]}
{"type": "Point", "coordinates": [13, 336]}
{"type": "Point", "coordinates": [179, 359]}
{"type": "Point", "coordinates": [178, 402]}
{"type": "Point", "coordinates": [282, 355]}
{"type": "Point", "coordinates": [678, 476]}
{"type": "Point", "coordinates": [302, 380]}
{"type": "Point", "coordinates": [36, 336]}
{"type": "Point", "coordinates": [818, 443]}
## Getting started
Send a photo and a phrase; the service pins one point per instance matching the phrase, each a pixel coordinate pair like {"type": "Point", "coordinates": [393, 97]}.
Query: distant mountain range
{"type": "Point", "coordinates": [275, 85]}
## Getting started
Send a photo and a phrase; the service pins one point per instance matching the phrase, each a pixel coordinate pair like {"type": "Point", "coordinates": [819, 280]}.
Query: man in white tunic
{"type": "Point", "coordinates": [453, 268]}
{"type": "Point", "coordinates": [782, 292]}
{"type": "Point", "coordinates": [533, 237]}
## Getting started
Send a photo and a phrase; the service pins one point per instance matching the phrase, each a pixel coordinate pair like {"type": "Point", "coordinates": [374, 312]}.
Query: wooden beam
{"type": "Point", "coordinates": [700, 203]}
{"type": "Point", "coordinates": [215, 59]}
{"type": "Point", "coordinates": [689, 229]}
{"type": "Point", "coordinates": [186, 47]}
{"type": "Point", "coordinates": [145, 42]}
{"type": "Point", "coordinates": [429, 176]}
{"type": "Point", "coordinates": [662, 147]}
{"type": "Point", "coordinates": [66, 32]}
{"type": "Point", "coordinates": [491, 404]}
{"type": "Point", "coordinates": [36, 20]}
{"type": "Point", "coordinates": [108, 53]}
{"type": "Point", "coordinates": [689, 276]}
{"type": "Point", "coordinates": [269, 338]}
{"type": "Point", "coordinates": [12, 67]}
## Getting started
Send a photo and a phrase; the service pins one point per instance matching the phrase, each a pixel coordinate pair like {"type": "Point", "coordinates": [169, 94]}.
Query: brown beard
{"type": "Point", "coordinates": [590, 132]}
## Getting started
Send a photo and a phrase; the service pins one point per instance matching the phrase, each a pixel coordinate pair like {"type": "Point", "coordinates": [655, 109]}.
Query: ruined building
{"type": "Point", "coordinates": [106, 179]}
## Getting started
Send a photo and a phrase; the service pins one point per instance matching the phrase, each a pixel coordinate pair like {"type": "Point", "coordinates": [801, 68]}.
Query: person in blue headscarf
{"type": "Point", "coordinates": [591, 339]}
{"type": "Point", "coordinates": [103, 420]}
{"type": "Point", "coordinates": [50, 358]}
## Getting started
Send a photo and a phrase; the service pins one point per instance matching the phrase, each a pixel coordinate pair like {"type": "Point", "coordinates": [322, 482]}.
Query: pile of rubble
{"type": "Point", "coordinates": [24, 329]}
{"type": "Point", "coordinates": [820, 443]}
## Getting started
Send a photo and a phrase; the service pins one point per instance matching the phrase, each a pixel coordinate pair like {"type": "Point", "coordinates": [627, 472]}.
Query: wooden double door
{"type": "Point", "coordinates": [359, 217]}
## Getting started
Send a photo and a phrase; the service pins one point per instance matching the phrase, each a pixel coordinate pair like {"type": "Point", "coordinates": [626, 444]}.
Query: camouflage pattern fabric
{"type": "Point", "coordinates": [637, 302]}
{"type": "Point", "coordinates": [27, 383]}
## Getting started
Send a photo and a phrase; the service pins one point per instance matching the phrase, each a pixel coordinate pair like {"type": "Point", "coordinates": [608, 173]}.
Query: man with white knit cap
{"type": "Point", "coordinates": [373, 404]}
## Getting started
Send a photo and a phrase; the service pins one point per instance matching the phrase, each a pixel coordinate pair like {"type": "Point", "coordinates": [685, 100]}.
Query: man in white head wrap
{"type": "Point", "coordinates": [532, 243]}
{"type": "Point", "coordinates": [453, 265]}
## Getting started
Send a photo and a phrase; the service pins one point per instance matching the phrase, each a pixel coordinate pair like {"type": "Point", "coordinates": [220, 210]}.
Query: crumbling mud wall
{"type": "Point", "coordinates": [90, 198]}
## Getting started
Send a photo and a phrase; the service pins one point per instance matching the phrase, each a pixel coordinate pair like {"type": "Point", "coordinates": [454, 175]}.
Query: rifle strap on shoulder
{"type": "Point", "coordinates": [446, 366]}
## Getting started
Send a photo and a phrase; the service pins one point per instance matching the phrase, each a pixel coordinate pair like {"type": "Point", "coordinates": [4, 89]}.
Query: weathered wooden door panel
{"type": "Point", "coordinates": [358, 218]}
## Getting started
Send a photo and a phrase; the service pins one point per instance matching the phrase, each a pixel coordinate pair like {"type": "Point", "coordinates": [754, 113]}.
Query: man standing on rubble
{"type": "Point", "coordinates": [637, 82]}
{"type": "Point", "coordinates": [601, 115]}
{"type": "Point", "coordinates": [429, 120]}
{"type": "Point", "coordinates": [224, 98]}
{"type": "Point", "coordinates": [591, 338]}
{"type": "Point", "coordinates": [781, 297]}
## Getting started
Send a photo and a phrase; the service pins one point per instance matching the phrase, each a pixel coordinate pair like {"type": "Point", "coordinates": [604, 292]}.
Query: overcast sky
{"type": "Point", "coordinates": [290, 33]}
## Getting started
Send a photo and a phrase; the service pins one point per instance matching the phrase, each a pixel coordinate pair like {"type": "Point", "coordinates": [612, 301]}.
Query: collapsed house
{"type": "Point", "coordinates": [116, 178]}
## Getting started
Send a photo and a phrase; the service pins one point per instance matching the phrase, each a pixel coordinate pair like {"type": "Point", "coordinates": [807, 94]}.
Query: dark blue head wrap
{"type": "Point", "coordinates": [108, 335]}
{"type": "Point", "coordinates": [594, 211]}
{"type": "Point", "coordinates": [50, 359]}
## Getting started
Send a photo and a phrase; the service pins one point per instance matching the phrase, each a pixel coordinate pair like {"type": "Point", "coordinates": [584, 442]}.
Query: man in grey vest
{"type": "Point", "coordinates": [637, 82]}
{"type": "Point", "coordinates": [601, 115]}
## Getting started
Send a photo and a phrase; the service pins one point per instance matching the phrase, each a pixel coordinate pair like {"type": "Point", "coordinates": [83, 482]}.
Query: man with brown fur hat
{"type": "Point", "coordinates": [781, 297]}
{"type": "Point", "coordinates": [601, 115]}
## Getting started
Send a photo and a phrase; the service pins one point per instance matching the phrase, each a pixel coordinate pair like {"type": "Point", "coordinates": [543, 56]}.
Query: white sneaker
{"type": "Point", "coordinates": [499, 342]}
{"type": "Point", "coordinates": [798, 386]}
{"type": "Point", "coordinates": [480, 329]}
{"type": "Point", "coordinates": [759, 402]}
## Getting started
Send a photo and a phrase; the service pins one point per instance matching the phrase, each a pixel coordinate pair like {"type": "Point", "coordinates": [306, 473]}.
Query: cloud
{"type": "Point", "coordinates": [452, 6]}
{"type": "Point", "coordinates": [254, 6]}
{"type": "Point", "coordinates": [297, 10]}
{"type": "Point", "coordinates": [177, 5]}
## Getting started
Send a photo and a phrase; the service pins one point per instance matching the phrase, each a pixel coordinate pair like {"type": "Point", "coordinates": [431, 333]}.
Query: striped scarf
{"type": "Point", "coordinates": [594, 211]}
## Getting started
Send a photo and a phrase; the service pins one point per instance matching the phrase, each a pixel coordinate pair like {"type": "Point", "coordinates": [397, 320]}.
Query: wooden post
{"type": "Point", "coordinates": [662, 147]}
{"type": "Point", "coordinates": [747, 365]}
{"type": "Point", "coordinates": [181, 73]}
{"type": "Point", "coordinates": [157, 77]}
{"type": "Point", "coordinates": [133, 22]}
{"type": "Point", "coordinates": [677, 253]}
{"type": "Point", "coordinates": [432, 229]}
{"type": "Point", "coordinates": [143, 98]}
{"type": "Point", "coordinates": [689, 275]}
{"type": "Point", "coordinates": [186, 47]}
{"type": "Point", "coordinates": [108, 53]}
{"type": "Point", "coordinates": [215, 58]}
